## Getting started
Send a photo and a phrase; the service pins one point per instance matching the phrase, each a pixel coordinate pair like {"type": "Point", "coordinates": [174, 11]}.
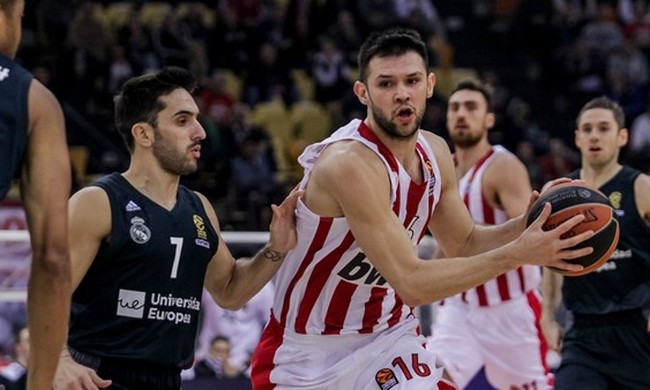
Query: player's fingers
{"type": "Point", "coordinates": [569, 224]}
{"type": "Point", "coordinates": [542, 217]}
{"type": "Point", "coordinates": [577, 239]}
{"type": "Point", "coordinates": [97, 380]}
{"type": "Point", "coordinates": [565, 266]}
{"type": "Point", "coordinates": [555, 182]}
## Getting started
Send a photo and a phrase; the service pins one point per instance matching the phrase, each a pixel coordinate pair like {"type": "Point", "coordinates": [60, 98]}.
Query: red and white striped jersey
{"type": "Point", "coordinates": [513, 283]}
{"type": "Point", "coordinates": [326, 284]}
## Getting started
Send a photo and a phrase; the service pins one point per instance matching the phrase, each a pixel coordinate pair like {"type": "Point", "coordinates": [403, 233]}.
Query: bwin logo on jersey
{"type": "Point", "coordinates": [4, 73]}
{"type": "Point", "coordinates": [139, 232]}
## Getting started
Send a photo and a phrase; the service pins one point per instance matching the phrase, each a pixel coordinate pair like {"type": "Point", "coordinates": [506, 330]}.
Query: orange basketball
{"type": "Point", "coordinates": [570, 199]}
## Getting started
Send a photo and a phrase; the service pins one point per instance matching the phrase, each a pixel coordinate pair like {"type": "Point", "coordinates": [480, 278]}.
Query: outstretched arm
{"type": "Point", "coordinates": [45, 188]}
{"type": "Point", "coordinates": [232, 282]}
{"type": "Point", "coordinates": [364, 198]}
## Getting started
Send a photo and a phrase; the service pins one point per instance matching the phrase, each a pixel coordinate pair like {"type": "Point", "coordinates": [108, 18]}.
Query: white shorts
{"type": "Point", "coordinates": [506, 339]}
{"type": "Point", "coordinates": [394, 359]}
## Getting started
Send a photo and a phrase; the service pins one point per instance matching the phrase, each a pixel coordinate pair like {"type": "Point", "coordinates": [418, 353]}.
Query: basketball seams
{"type": "Point", "coordinates": [571, 199]}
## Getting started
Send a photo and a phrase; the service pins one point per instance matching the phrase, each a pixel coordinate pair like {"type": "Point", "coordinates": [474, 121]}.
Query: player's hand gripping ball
{"type": "Point", "coordinates": [570, 199]}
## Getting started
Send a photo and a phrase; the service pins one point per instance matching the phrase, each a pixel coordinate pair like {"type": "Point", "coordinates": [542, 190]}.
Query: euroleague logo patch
{"type": "Point", "coordinates": [386, 379]}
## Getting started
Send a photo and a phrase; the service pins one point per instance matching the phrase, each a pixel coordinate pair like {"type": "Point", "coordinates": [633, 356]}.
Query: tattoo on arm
{"type": "Point", "coordinates": [272, 255]}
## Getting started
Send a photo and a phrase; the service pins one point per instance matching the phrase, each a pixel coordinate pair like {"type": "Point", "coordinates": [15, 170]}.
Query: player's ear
{"type": "Point", "coordinates": [431, 82]}
{"type": "Point", "coordinates": [623, 137]}
{"type": "Point", "coordinates": [361, 91]}
{"type": "Point", "coordinates": [490, 118]}
{"type": "Point", "coordinates": [143, 134]}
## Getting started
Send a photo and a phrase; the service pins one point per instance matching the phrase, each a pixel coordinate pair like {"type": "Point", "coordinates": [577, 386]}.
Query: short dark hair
{"type": "Point", "coordinates": [477, 86]}
{"type": "Point", "coordinates": [607, 104]}
{"type": "Point", "coordinates": [7, 5]}
{"type": "Point", "coordinates": [139, 99]}
{"type": "Point", "coordinates": [393, 42]}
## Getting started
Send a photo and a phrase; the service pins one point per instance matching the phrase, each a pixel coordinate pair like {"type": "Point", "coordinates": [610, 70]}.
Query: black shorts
{"type": "Point", "coordinates": [130, 374]}
{"type": "Point", "coordinates": [610, 351]}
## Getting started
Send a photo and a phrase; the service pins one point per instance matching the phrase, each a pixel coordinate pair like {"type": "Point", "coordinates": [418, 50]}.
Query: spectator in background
{"type": "Point", "coordinates": [242, 327]}
{"type": "Point", "coordinates": [119, 69]}
{"type": "Point", "coordinates": [558, 161]}
{"type": "Point", "coordinates": [89, 43]}
{"type": "Point", "coordinates": [137, 41]}
{"type": "Point", "coordinates": [346, 35]}
{"type": "Point", "coordinates": [603, 34]}
{"type": "Point", "coordinates": [640, 132]}
{"type": "Point", "coordinates": [629, 63]}
{"type": "Point", "coordinates": [14, 375]}
{"type": "Point", "coordinates": [171, 41]}
{"type": "Point", "coordinates": [268, 78]}
{"type": "Point", "coordinates": [330, 72]}
{"type": "Point", "coordinates": [218, 103]}
{"type": "Point", "coordinates": [420, 15]}
{"type": "Point", "coordinates": [253, 175]}
{"type": "Point", "coordinates": [217, 363]}
{"type": "Point", "coordinates": [526, 153]}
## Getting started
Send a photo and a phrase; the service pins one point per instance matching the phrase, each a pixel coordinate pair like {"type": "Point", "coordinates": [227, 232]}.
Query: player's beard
{"type": "Point", "coordinates": [390, 129]}
{"type": "Point", "coordinates": [172, 160]}
{"type": "Point", "coordinates": [466, 140]}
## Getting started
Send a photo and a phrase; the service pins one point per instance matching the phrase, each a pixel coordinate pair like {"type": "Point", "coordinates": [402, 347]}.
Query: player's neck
{"type": "Point", "coordinates": [466, 158]}
{"type": "Point", "coordinates": [156, 184]}
{"type": "Point", "coordinates": [596, 176]}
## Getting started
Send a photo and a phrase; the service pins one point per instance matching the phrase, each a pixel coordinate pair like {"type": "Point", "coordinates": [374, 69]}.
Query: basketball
{"type": "Point", "coordinates": [570, 199]}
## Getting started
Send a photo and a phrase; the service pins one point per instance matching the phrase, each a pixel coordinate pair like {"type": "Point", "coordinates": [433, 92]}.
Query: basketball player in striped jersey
{"type": "Point", "coordinates": [607, 347]}
{"type": "Point", "coordinates": [343, 311]}
{"type": "Point", "coordinates": [495, 324]}
{"type": "Point", "coordinates": [33, 146]}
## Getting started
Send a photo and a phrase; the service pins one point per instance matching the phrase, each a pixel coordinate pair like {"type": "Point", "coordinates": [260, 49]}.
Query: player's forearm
{"type": "Point", "coordinates": [48, 309]}
{"type": "Point", "coordinates": [552, 293]}
{"type": "Point", "coordinates": [250, 276]}
{"type": "Point", "coordinates": [485, 238]}
{"type": "Point", "coordinates": [442, 278]}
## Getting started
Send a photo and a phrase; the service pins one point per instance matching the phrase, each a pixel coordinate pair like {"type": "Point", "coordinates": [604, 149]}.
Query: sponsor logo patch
{"type": "Point", "coordinates": [130, 303]}
{"type": "Point", "coordinates": [386, 379]}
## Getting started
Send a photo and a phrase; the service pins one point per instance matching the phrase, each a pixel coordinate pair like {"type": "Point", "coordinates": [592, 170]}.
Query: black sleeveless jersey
{"type": "Point", "coordinates": [623, 282]}
{"type": "Point", "coordinates": [14, 119]}
{"type": "Point", "coordinates": [141, 296]}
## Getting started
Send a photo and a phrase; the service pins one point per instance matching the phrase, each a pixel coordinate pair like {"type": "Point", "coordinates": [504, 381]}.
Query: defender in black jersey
{"type": "Point", "coordinates": [143, 246]}
{"type": "Point", "coordinates": [33, 146]}
{"type": "Point", "coordinates": [608, 344]}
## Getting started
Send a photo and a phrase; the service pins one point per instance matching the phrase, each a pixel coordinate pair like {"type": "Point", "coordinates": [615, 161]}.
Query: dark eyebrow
{"type": "Point", "coordinates": [184, 112]}
{"type": "Point", "coordinates": [385, 76]}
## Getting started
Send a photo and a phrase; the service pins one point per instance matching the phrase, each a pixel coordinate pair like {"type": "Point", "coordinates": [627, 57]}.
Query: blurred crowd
{"type": "Point", "coordinates": [276, 75]}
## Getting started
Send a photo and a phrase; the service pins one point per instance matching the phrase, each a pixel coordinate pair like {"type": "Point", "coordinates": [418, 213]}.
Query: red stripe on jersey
{"type": "Point", "coordinates": [522, 280]}
{"type": "Point", "coordinates": [368, 134]}
{"type": "Point", "coordinates": [488, 212]}
{"type": "Point", "coordinates": [432, 177]}
{"type": "Point", "coordinates": [482, 295]}
{"type": "Point", "coordinates": [536, 306]}
{"type": "Point", "coordinates": [262, 363]}
{"type": "Point", "coordinates": [372, 309]}
{"type": "Point", "coordinates": [317, 242]}
{"type": "Point", "coordinates": [502, 285]}
{"type": "Point", "coordinates": [317, 281]}
{"type": "Point", "coordinates": [397, 204]}
{"type": "Point", "coordinates": [336, 312]}
{"type": "Point", "coordinates": [396, 312]}
{"type": "Point", "coordinates": [415, 192]}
